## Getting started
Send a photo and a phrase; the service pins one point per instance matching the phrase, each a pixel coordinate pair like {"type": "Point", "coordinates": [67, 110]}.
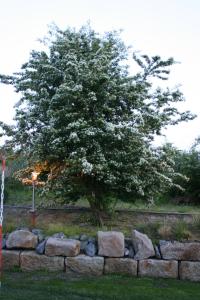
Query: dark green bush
{"type": "Point", "coordinates": [188, 164]}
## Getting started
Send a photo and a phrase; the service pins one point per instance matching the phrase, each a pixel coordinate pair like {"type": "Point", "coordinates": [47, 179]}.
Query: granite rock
{"type": "Point", "coordinates": [189, 270]}
{"type": "Point", "coordinates": [31, 261]}
{"type": "Point", "coordinates": [40, 249]}
{"type": "Point", "coordinates": [11, 259]}
{"type": "Point", "coordinates": [86, 265]}
{"type": "Point", "coordinates": [158, 268]}
{"type": "Point", "coordinates": [120, 266]}
{"type": "Point", "coordinates": [180, 251]}
{"type": "Point", "coordinates": [21, 239]}
{"type": "Point", "coordinates": [111, 244]}
{"type": "Point", "coordinates": [91, 249]}
{"type": "Point", "coordinates": [142, 245]}
{"type": "Point", "coordinates": [62, 247]}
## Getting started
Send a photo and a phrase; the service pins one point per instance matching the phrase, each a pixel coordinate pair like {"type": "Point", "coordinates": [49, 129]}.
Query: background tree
{"type": "Point", "coordinates": [82, 110]}
{"type": "Point", "coordinates": [188, 164]}
{"type": "Point", "coordinates": [13, 164]}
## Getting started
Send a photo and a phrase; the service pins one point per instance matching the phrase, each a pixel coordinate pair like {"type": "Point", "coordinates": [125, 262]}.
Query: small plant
{"type": "Point", "coordinates": [9, 227]}
{"type": "Point", "coordinates": [16, 269]}
{"type": "Point", "coordinates": [165, 232]}
{"type": "Point", "coordinates": [181, 231]}
{"type": "Point", "coordinates": [151, 229]}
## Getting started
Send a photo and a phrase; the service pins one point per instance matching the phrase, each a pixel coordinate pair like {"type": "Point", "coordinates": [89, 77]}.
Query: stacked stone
{"type": "Point", "coordinates": [110, 253]}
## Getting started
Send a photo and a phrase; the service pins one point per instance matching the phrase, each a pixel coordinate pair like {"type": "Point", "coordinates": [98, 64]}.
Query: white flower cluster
{"type": "Point", "coordinates": [73, 137]}
{"type": "Point", "coordinates": [87, 167]}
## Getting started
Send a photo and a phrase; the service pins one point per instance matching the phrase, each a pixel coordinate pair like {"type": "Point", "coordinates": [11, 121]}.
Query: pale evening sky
{"type": "Point", "coordinates": [164, 27]}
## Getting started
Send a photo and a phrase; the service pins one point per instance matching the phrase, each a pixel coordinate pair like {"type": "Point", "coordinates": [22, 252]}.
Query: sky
{"type": "Point", "coordinates": [169, 28]}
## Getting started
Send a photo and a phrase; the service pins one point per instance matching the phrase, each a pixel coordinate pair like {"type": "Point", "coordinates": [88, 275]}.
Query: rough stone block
{"type": "Point", "coordinates": [120, 266]}
{"type": "Point", "coordinates": [62, 247]}
{"type": "Point", "coordinates": [10, 259]}
{"type": "Point", "coordinates": [110, 243]}
{"type": "Point", "coordinates": [83, 264]}
{"type": "Point", "coordinates": [190, 270]}
{"type": "Point", "coordinates": [21, 239]}
{"type": "Point", "coordinates": [31, 261]}
{"type": "Point", "coordinates": [180, 251]}
{"type": "Point", "coordinates": [142, 245]}
{"type": "Point", "coordinates": [158, 268]}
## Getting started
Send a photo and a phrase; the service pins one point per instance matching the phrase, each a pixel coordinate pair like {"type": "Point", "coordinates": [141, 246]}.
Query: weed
{"type": "Point", "coordinates": [165, 232]}
{"type": "Point", "coordinates": [9, 227]}
{"type": "Point", "coordinates": [181, 231]}
{"type": "Point", "coordinates": [151, 229]}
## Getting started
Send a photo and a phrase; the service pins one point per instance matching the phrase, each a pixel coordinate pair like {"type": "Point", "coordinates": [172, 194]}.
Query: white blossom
{"type": "Point", "coordinates": [74, 137]}
{"type": "Point", "coordinates": [87, 167]}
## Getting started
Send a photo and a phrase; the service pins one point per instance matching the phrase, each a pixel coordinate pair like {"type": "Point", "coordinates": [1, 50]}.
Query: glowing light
{"type": "Point", "coordinates": [34, 176]}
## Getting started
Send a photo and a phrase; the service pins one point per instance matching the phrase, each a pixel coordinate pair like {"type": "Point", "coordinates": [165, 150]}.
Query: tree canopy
{"type": "Point", "coordinates": [188, 164]}
{"type": "Point", "coordinates": [83, 111]}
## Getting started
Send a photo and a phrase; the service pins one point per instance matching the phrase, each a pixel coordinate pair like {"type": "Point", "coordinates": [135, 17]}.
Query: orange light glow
{"type": "Point", "coordinates": [34, 176]}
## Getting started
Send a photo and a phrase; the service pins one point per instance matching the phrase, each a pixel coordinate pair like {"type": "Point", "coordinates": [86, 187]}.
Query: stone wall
{"type": "Point", "coordinates": [124, 218]}
{"type": "Point", "coordinates": [109, 253]}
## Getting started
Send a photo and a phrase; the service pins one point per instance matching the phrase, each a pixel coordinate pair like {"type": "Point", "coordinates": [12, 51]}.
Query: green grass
{"type": "Point", "coordinates": [45, 286]}
{"type": "Point", "coordinates": [158, 206]}
{"type": "Point", "coordinates": [165, 207]}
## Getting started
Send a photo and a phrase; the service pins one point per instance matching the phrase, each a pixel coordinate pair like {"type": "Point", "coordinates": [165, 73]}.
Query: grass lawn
{"type": "Point", "coordinates": [158, 206]}
{"type": "Point", "coordinates": [54, 286]}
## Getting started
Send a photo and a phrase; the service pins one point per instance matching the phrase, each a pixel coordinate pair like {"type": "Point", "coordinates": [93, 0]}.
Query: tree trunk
{"type": "Point", "coordinates": [96, 208]}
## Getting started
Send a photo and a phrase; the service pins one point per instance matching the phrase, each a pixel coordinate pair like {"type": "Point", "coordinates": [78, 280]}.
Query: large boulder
{"type": "Point", "coordinates": [120, 266]}
{"type": "Point", "coordinates": [142, 245]}
{"type": "Point", "coordinates": [21, 239]}
{"type": "Point", "coordinates": [31, 261]}
{"type": "Point", "coordinates": [110, 243]}
{"type": "Point", "coordinates": [10, 259]}
{"type": "Point", "coordinates": [190, 270]}
{"type": "Point", "coordinates": [180, 251]}
{"type": "Point", "coordinates": [62, 247]}
{"type": "Point", "coordinates": [86, 265]}
{"type": "Point", "coordinates": [158, 268]}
